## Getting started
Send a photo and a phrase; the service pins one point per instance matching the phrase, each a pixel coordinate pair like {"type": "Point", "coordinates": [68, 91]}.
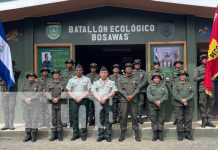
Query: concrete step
{"type": "Point", "coordinates": [146, 132]}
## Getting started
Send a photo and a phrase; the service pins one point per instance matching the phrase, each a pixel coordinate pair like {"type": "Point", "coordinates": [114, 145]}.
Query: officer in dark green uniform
{"type": "Point", "coordinates": [93, 76]}
{"type": "Point", "coordinates": [175, 78]}
{"type": "Point", "coordinates": [205, 101]}
{"type": "Point", "coordinates": [30, 96]}
{"type": "Point", "coordinates": [156, 70]}
{"type": "Point", "coordinates": [44, 113]}
{"type": "Point", "coordinates": [78, 88]}
{"type": "Point", "coordinates": [157, 94]}
{"type": "Point", "coordinates": [128, 87]}
{"type": "Point", "coordinates": [65, 76]}
{"type": "Point", "coordinates": [103, 90]}
{"type": "Point", "coordinates": [116, 99]}
{"type": "Point", "coordinates": [141, 77]}
{"type": "Point", "coordinates": [55, 89]}
{"type": "Point", "coordinates": [9, 100]}
{"type": "Point", "coordinates": [183, 93]}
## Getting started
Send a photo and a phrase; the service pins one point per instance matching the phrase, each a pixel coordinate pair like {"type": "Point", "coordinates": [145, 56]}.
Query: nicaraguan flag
{"type": "Point", "coordinates": [6, 70]}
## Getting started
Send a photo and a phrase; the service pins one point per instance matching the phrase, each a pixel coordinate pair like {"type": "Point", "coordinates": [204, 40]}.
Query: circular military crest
{"type": "Point", "coordinates": [53, 30]}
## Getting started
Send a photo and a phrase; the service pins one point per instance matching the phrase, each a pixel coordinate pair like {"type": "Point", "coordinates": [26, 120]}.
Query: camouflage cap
{"type": "Point", "coordinates": [31, 74]}
{"type": "Point", "coordinates": [45, 69]}
{"type": "Point", "coordinates": [156, 74]}
{"type": "Point", "coordinates": [128, 65]}
{"type": "Point", "coordinates": [178, 61]}
{"type": "Point", "coordinates": [202, 56]}
{"type": "Point", "coordinates": [156, 63]}
{"type": "Point", "coordinates": [93, 65]}
{"type": "Point", "coordinates": [55, 71]}
{"type": "Point", "coordinates": [137, 61]}
{"type": "Point", "coordinates": [69, 61]}
{"type": "Point", "coordinates": [183, 72]}
{"type": "Point", "coordinates": [79, 66]}
{"type": "Point", "coordinates": [116, 66]}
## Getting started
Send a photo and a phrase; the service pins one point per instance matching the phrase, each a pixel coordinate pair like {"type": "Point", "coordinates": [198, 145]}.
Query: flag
{"type": "Point", "coordinates": [211, 71]}
{"type": "Point", "coordinates": [6, 69]}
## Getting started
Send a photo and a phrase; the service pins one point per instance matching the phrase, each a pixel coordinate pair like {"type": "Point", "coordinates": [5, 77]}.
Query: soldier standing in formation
{"type": "Point", "coordinates": [93, 76]}
{"type": "Point", "coordinates": [175, 78]}
{"type": "Point", "coordinates": [9, 100]}
{"type": "Point", "coordinates": [128, 87]}
{"type": "Point", "coordinates": [157, 94]}
{"type": "Point", "coordinates": [78, 88]}
{"type": "Point", "coordinates": [205, 101]}
{"type": "Point", "coordinates": [55, 89]}
{"type": "Point", "coordinates": [103, 90]}
{"type": "Point", "coordinates": [116, 99]}
{"type": "Point", "coordinates": [30, 96]}
{"type": "Point", "coordinates": [140, 75]}
{"type": "Point", "coordinates": [44, 112]}
{"type": "Point", "coordinates": [66, 74]}
{"type": "Point", "coordinates": [156, 70]}
{"type": "Point", "coordinates": [183, 93]}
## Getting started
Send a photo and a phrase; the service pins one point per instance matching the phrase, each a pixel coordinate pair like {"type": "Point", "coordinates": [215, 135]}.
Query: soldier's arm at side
{"type": "Point", "coordinates": [69, 90]}
{"type": "Point", "coordinates": [165, 95]}
{"type": "Point", "coordinates": [94, 92]}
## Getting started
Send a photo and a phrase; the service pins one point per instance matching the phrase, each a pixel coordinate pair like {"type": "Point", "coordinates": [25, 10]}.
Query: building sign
{"type": "Point", "coordinates": [111, 32]}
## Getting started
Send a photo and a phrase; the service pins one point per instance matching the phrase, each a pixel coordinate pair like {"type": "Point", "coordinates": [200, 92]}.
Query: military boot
{"type": "Point", "coordinates": [180, 136]}
{"type": "Point", "coordinates": [175, 122]}
{"type": "Point", "coordinates": [204, 122]}
{"type": "Point", "coordinates": [122, 135]}
{"type": "Point", "coordinates": [189, 136]}
{"type": "Point", "coordinates": [33, 136]}
{"type": "Point", "coordinates": [28, 137]}
{"type": "Point", "coordinates": [137, 136]}
{"type": "Point", "coordinates": [53, 136]}
{"type": "Point", "coordinates": [160, 135]}
{"type": "Point", "coordinates": [155, 135]}
{"type": "Point", "coordinates": [91, 121]}
{"type": "Point", "coordinates": [6, 126]}
{"type": "Point", "coordinates": [209, 123]}
{"type": "Point", "coordinates": [60, 135]}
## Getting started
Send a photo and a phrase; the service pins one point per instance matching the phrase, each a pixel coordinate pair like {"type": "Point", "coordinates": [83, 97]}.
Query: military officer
{"type": "Point", "coordinates": [30, 96]}
{"type": "Point", "coordinates": [205, 101]}
{"type": "Point", "coordinates": [56, 88]}
{"type": "Point", "coordinates": [93, 76]}
{"type": "Point", "coordinates": [78, 88]}
{"type": "Point", "coordinates": [44, 113]}
{"type": "Point", "coordinates": [128, 87]}
{"type": "Point", "coordinates": [156, 70]}
{"type": "Point", "coordinates": [157, 94]}
{"type": "Point", "coordinates": [183, 93]}
{"type": "Point", "coordinates": [116, 99]}
{"type": "Point", "coordinates": [175, 78]}
{"type": "Point", "coordinates": [103, 90]}
{"type": "Point", "coordinates": [65, 76]}
{"type": "Point", "coordinates": [141, 77]}
{"type": "Point", "coordinates": [9, 100]}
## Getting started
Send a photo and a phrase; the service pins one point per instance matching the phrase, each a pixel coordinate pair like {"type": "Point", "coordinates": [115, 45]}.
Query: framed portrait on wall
{"type": "Point", "coordinates": [52, 56]}
{"type": "Point", "coordinates": [166, 53]}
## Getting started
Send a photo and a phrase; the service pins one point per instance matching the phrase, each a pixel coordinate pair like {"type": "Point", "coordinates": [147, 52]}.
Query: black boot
{"type": "Point", "coordinates": [180, 136]}
{"type": "Point", "coordinates": [91, 121]}
{"type": "Point", "coordinates": [28, 137]}
{"type": "Point", "coordinates": [60, 135]}
{"type": "Point", "coordinates": [160, 135]}
{"type": "Point", "coordinates": [75, 137]}
{"type": "Point", "coordinates": [122, 135]}
{"type": "Point", "coordinates": [209, 123]}
{"type": "Point", "coordinates": [188, 136]}
{"type": "Point", "coordinates": [204, 122]}
{"type": "Point", "coordinates": [6, 126]}
{"type": "Point", "coordinates": [137, 136]}
{"type": "Point", "coordinates": [155, 135]}
{"type": "Point", "coordinates": [140, 120]}
{"type": "Point", "coordinates": [53, 136]}
{"type": "Point", "coordinates": [175, 122]}
{"type": "Point", "coordinates": [33, 136]}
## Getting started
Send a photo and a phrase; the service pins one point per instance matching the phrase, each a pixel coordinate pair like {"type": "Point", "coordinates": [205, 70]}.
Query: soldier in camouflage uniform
{"type": "Point", "coordinates": [156, 70]}
{"type": "Point", "coordinates": [66, 74]}
{"type": "Point", "coordinates": [128, 87]}
{"type": "Point", "coordinates": [116, 99]}
{"type": "Point", "coordinates": [205, 101]}
{"type": "Point", "coordinates": [93, 76]}
{"type": "Point", "coordinates": [157, 94]}
{"type": "Point", "coordinates": [183, 93]}
{"type": "Point", "coordinates": [103, 90]}
{"type": "Point", "coordinates": [44, 112]}
{"type": "Point", "coordinates": [30, 96]}
{"type": "Point", "coordinates": [9, 100]}
{"type": "Point", "coordinates": [141, 77]}
{"type": "Point", "coordinates": [175, 78]}
{"type": "Point", "coordinates": [55, 89]}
